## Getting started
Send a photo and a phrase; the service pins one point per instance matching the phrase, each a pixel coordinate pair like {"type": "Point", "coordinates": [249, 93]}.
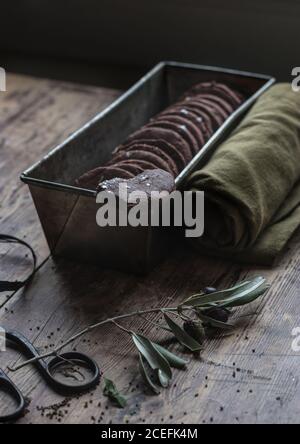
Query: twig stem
{"type": "Point", "coordinates": [87, 330]}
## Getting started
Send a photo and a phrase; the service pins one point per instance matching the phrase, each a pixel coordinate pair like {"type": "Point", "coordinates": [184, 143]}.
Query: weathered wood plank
{"type": "Point", "coordinates": [35, 115]}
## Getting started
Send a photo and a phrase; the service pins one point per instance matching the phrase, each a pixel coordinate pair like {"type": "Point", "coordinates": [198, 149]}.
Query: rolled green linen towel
{"type": "Point", "coordinates": [252, 182]}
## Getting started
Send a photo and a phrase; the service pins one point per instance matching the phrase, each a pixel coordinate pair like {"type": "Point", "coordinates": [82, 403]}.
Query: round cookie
{"type": "Point", "coordinates": [226, 106]}
{"type": "Point", "coordinates": [198, 122]}
{"type": "Point", "coordinates": [139, 145]}
{"type": "Point", "coordinates": [181, 131]}
{"type": "Point", "coordinates": [234, 98]}
{"type": "Point", "coordinates": [232, 93]}
{"type": "Point", "coordinates": [158, 147]}
{"type": "Point", "coordinates": [201, 119]}
{"type": "Point", "coordinates": [93, 177]}
{"type": "Point", "coordinates": [139, 153]}
{"type": "Point", "coordinates": [188, 122]}
{"type": "Point", "coordinates": [144, 164]}
{"type": "Point", "coordinates": [148, 181]}
{"type": "Point", "coordinates": [216, 121]}
{"type": "Point", "coordinates": [179, 149]}
{"type": "Point", "coordinates": [133, 168]}
{"type": "Point", "coordinates": [219, 110]}
{"type": "Point", "coordinates": [170, 150]}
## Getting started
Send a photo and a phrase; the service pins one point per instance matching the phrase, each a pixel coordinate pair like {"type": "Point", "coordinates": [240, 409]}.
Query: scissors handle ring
{"type": "Point", "coordinates": [15, 393]}
{"type": "Point", "coordinates": [73, 357]}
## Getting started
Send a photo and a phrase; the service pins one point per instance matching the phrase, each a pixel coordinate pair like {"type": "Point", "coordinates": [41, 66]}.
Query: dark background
{"type": "Point", "coordinates": [112, 42]}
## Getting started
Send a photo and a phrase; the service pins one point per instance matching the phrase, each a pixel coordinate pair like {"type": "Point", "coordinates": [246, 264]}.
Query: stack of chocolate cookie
{"type": "Point", "coordinates": [172, 138]}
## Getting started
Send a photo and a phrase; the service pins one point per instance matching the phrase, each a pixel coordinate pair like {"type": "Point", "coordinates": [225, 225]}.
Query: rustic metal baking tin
{"type": "Point", "coordinates": [68, 213]}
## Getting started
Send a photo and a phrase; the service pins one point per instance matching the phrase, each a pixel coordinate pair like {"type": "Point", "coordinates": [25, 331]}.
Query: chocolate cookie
{"type": "Point", "coordinates": [133, 168]}
{"type": "Point", "coordinates": [93, 177]}
{"type": "Point", "coordinates": [139, 153]}
{"type": "Point", "coordinates": [233, 94]}
{"type": "Point", "coordinates": [144, 164]}
{"type": "Point", "coordinates": [188, 122]}
{"type": "Point", "coordinates": [179, 149]}
{"type": "Point", "coordinates": [176, 158]}
{"type": "Point", "coordinates": [200, 118]}
{"type": "Point", "coordinates": [225, 104]}
{"type": "Point", "coordinates": [153, 146]}
{"type": "Point", "coordinates": [216, 120]}
{"type": "Point", "coordinates": [226, 92]}
{"type": "Point", "coordinates": [218, 108]}
{"type": "Point", "coordinates": [181, 131]}
{"type": "Point", "coordinates": [139, 145]}
{"type": "Point", "coordinates": [148, 181]}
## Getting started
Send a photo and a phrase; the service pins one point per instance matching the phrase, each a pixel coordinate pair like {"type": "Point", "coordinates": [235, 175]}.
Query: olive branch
{"type": "Point", "coordinates": [200, 313]}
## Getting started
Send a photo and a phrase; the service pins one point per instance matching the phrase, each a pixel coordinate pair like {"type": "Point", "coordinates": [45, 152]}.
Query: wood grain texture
{"type": "Point", "coordinates": [35, 115]}
{"type": "Point", "coordinates": [251, 376]}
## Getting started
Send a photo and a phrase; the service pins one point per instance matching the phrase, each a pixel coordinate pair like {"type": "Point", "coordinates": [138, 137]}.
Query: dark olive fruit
{"type": "Point", "coordinates": [217, 313]}
{"type": "Point", "coordinates": [195, 330]}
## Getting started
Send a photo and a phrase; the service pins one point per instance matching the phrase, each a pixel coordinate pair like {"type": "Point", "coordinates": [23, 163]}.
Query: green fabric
{"type": "Point", "coordinates": [252, 182]}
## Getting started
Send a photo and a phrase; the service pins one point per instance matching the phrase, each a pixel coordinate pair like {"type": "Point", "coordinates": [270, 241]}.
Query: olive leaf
{"type": "Point", "coordinates": [241, 290]}
{"type": "Point", "coordinates": [173, 360]}
{"type": "Point", "coordinates": [154, 358]}
{"type": "Point", "coordinates": [192, 300]}
{"type": "Point", "coordinates": [184, 339]}
{"type": "Point", "coordinates": [110, 390]}
{"type": "Point", "coordinates": [163, 378]}
{"type": "Point", "coordinates": [239, 299]}
{"type": "Point", "coordinates": [145, 371]}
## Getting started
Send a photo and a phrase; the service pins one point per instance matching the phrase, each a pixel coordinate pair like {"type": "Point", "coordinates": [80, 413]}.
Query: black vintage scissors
{"type": "Point", "coordinates": [84, 373]}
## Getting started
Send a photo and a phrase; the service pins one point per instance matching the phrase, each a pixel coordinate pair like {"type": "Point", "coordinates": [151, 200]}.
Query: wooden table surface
{"type": "Point", "coordinates": [248, 377]}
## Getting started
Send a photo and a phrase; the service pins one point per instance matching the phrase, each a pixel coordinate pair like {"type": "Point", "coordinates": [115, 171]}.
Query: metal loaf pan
{"type": "Point", "coordinates": [68, 213]}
